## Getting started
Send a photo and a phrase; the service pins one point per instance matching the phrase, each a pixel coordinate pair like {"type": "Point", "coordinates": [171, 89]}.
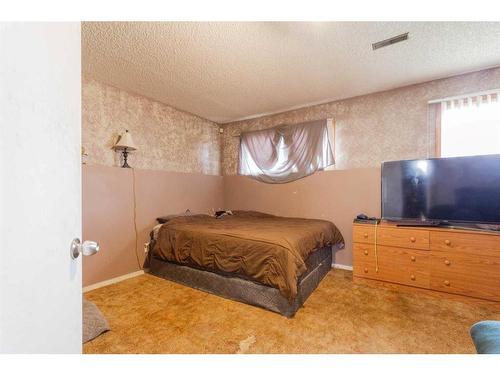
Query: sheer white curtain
{"type": "Point", "coordinates": [285, 153]}
{"type": "Point", "coordinates": [470, 125]}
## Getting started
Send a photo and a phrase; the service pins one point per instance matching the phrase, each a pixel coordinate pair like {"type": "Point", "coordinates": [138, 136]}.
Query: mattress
{"type": "Point", "coordinates": [268, 249]}
{"type": "Point", "coordinates": [243, 289]}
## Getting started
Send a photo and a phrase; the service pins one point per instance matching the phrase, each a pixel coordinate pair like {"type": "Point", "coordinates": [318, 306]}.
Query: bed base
{"type": "Point", "coordinates": [245, 290]}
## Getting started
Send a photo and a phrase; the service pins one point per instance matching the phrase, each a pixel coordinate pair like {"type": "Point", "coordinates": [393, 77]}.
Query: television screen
{"type": "Point", "coordinates": [459, 189]}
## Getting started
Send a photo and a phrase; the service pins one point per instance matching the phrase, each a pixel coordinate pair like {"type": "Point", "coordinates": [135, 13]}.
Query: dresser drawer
{"type": "Point", "coordinates": [459, 273]}
{"type": "Point", "coordinates": [364, 260]}
{"type": "Point", "coordinates": [407, 238]}
{"type": "Point", "coordinates": [466, 243]}
{"type": "Point", "coordinates": [363, 252]}
{"type": "Point", "coordinates": [363, 233]}
{"type": "Point", "coordinates": [404, 266]}
{"type": "Point", "coordinates": [364, 268]}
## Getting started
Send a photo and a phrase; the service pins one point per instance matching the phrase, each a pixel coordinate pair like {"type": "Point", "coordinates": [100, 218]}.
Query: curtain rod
{"type": "Point", "coordinates": [480, 93]}
{"type": "Point", "coordinates": [277, 126]}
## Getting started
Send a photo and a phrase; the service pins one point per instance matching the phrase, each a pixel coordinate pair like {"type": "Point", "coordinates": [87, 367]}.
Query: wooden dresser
{"type": "Point", "coordinates": [461, 262]}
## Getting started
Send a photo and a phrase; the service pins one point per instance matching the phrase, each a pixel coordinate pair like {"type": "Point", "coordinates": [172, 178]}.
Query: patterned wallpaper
{"type": "Point", "coordinates": [166, 138]}
{"type": "Point", "coordinates": [388, 125]}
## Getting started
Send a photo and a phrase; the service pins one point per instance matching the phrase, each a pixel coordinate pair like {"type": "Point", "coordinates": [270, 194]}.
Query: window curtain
{"type": "Point", "coordinates": [285, 153]}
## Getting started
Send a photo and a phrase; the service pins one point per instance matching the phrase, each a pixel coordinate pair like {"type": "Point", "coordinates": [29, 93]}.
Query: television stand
{"type": "Point", "coordinates": [461, 261]}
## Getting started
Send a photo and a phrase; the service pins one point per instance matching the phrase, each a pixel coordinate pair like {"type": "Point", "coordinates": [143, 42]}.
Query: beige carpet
{"type": "Point", "coordinates": [151, 315]}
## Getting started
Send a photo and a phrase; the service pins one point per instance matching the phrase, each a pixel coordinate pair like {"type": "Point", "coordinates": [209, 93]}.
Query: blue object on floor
{"type": "Point", "coordinates": [486, 336]}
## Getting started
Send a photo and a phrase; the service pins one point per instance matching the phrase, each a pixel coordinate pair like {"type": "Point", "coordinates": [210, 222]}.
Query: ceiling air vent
{"type": "Point", "coordinates": [390, 41]}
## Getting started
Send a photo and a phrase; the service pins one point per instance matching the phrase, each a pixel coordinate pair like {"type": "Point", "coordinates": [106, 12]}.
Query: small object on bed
{"type": "Point", "coordinates": [222, 213]}
{"type": "Point", "coordinates": [166, 218]}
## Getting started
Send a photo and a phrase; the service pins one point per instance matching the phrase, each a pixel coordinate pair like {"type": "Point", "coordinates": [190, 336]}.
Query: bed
{"type": "Point", "coordinates": [260, 259]}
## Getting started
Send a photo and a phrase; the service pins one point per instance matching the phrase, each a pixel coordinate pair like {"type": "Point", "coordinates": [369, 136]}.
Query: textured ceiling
{"type": "Point", "coordinates": [229, 71]}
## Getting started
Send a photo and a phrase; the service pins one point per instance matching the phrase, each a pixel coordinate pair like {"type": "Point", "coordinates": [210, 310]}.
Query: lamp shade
{"type": "Point", "coordinates": [125, 142]}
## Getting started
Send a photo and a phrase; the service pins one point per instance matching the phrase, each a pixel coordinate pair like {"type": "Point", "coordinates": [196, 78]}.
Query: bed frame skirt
{"type": "Point", "coordinates": [245, 290]}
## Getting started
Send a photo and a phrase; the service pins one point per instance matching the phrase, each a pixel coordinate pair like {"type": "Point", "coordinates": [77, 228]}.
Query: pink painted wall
{"type": "Point", "coordinates": [108, 206]}
{"type": "Point", "coordinates": [371, 128]}
{"type": "Point", "coordinates": [108, 212]}
{"type": "Point", "coordinates": [337, 196]}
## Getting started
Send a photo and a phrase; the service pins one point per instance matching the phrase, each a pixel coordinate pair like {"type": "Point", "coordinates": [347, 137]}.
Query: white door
{"type": "Point", "coordinates": [40, 187]}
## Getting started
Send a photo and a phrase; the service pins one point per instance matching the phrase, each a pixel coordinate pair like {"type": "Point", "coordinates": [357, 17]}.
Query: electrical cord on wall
{"type": "Point", "coordinates": [376, 252]}
{"type": "Point", "coordinates": [334, 127]}
{"type": "Point", "coordinates": [135, 219]}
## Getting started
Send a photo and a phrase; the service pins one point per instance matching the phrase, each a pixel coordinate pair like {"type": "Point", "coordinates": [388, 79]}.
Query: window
{"type": "Point", "coordinates": [469, 126]}
{"type": "Point", "coordinates": [285, 153]}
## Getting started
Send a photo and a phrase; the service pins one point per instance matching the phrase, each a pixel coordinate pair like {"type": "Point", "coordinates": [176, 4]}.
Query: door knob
{"type": "Point", "coordinates": [87, 248]}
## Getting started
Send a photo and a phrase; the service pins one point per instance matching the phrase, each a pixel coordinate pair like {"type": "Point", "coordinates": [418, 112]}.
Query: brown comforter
{"type": "Point", "coordinates": [266, 248]}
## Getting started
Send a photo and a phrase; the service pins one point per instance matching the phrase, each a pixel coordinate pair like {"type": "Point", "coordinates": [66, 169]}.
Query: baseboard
{"type": "Point", "coordinates": [112, 281]}
{"type": "Point", "coordinates": [141, 272]}
{"type": "Point", "coordinates": [342, 267]}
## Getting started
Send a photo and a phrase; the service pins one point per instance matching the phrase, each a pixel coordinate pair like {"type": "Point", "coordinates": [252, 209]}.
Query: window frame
{"type": "Point", "coordinates": [438, 121]}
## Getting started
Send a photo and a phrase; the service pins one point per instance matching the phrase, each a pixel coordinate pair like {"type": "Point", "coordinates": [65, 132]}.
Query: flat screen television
{"type": "Point", "coordinates": [442, 190]}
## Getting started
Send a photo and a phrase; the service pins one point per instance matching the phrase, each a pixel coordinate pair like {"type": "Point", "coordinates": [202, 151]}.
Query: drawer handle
{"type": "Point", "coordinates": [366, 270]}
{"type": "Point", "coordinates": [447, 242]}
{"type": "Point", "coordinates": [412, 277]}
{"type": "Point", "coordinates": [366, 252]}
{"type": "Point", "coordinates": [365, 235]}
{"type": "Point", "coordinates": [447, 262]}
{"type": "Point", "coordinates": [447, 283]}
{"type": "Point", "coordinates": [413, 239]}
{"type": "Point", "coordinates": [413, 259]}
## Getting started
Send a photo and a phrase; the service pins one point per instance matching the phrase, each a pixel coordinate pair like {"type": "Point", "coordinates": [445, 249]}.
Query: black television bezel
{"type": "Point", "coordinates": [443, 222]}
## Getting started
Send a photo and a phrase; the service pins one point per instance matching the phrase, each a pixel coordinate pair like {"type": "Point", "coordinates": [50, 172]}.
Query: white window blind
{"type": "Point", "coordinates": [470, 125]}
